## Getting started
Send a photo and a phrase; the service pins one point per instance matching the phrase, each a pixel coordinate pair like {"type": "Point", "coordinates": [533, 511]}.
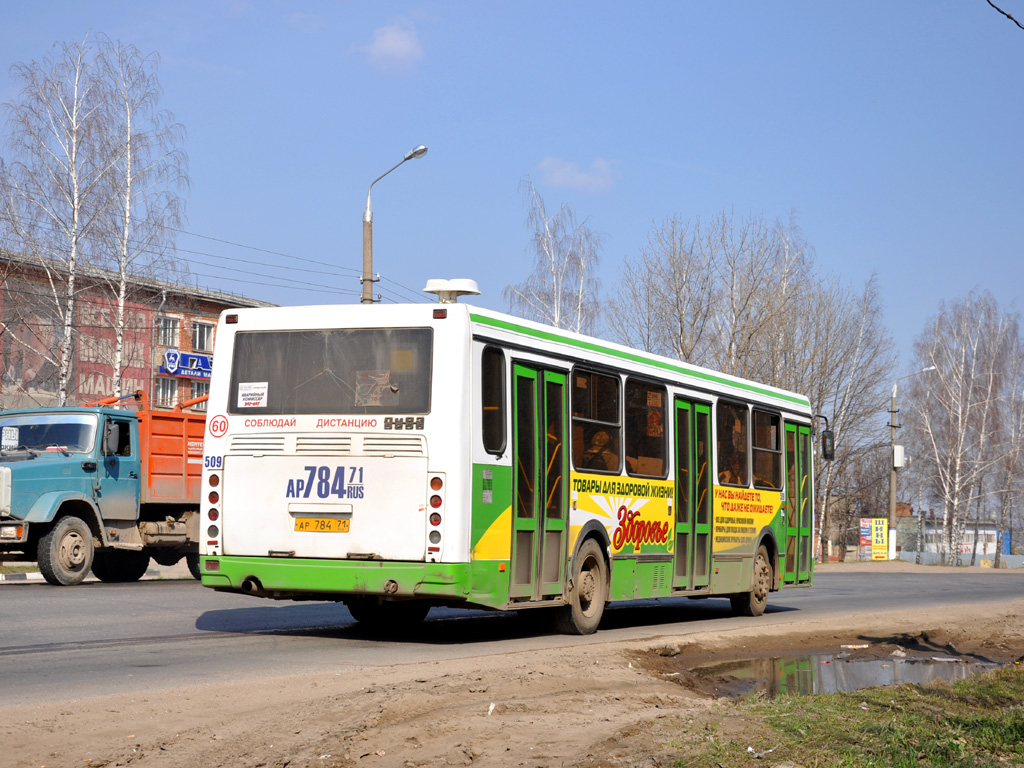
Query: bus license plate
{"type": "Point", "coordinates": [322, 524]}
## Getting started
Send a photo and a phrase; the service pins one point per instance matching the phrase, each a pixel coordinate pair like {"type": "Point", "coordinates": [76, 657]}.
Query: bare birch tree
{"type": "Point", "coordinates": [149, 172]}
{"type": "Point", "coordinates": [955, 407]}
{"type": "Point", "coordinates": [849, 355]}
{"type": "Point", "coordinates": [53, 186]}
{"type": "Point", "coordinates": [1011, 459]}
{"type": "Point", "coordinates": [562, 290]}
{"type": "Point", "coordinates": [666, 295]}
{"type": "Point", "coordinates": [753, 271]}
{"type": "Point", "coordinates": [746, 298]}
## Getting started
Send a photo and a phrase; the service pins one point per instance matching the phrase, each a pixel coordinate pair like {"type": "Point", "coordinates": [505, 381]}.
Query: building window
{"type": "Point", "coordinates": [200, 388]}
{"type": "Point", "coordinates": [165, 392]}
{"type": "Point", "coordinates": [167, 331]}
{"type": "Point", "coordinates": [202, 337]}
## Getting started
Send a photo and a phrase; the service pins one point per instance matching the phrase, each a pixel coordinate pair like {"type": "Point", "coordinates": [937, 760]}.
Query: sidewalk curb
{"type": "Point", "coordinates": [156, 572]}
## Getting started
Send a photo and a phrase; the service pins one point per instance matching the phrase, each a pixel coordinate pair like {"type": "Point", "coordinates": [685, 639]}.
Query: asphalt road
{"type": "Point", "coordinates": [60, 643]}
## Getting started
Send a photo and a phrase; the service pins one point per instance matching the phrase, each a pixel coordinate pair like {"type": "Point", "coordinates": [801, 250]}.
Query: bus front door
{"type": "Point", "coordinates": [539, 486]}
{"type": "Point", "coordinates": [693, 496]}
{"type": "Point", "coordinates": [799, 505]}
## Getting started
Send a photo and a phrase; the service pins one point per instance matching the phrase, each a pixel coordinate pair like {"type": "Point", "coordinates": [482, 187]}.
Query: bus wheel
{"type": "Point", "coordinates": [587, 595]}
{"type": "Point", "coordinates": [753, 603]}
{"type": "Point", "coordinates": [65, 552]}
{"type": "Point", "coordinates": [192, 561]}
{"type": "Point", "coordinates": [119, 565]}
{"type": "Point", "coordinates": [384, 615]}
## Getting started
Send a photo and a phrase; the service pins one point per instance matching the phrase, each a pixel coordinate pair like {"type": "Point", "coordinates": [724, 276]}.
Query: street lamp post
{"type": "Point", "coordinates": [367, 279]}
{"type": "Point", "coordinates": [893, 466]}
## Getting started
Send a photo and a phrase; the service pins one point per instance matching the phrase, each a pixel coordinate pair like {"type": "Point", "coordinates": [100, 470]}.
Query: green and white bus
{"type": "Point", "coordinates": [398, 457]}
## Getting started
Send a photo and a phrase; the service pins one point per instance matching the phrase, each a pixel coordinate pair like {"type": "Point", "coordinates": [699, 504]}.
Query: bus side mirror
{"type": "Point", "coordinates": [111, 438]}
{"type": "Point", "coordinates": [828, 445]}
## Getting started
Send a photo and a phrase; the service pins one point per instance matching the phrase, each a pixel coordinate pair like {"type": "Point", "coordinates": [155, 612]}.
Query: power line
{"type": "Point", "coordinates": [264, 250]}
{"type": "Point", "coordinates": [410, 295]}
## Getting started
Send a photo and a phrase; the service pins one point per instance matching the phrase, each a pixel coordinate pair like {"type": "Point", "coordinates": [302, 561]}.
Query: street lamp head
{"type": "Point", "coordinates": [420, 151]}
{"type": "Point", "coordinates": [367, 279]}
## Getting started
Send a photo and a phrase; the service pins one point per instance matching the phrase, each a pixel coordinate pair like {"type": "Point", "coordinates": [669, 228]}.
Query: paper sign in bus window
{"type": "Point", "coordinates": [252, 394]}
{"type": "Point", "coordinates": [372, 386]}
{"type": "Point", "coordinates": [9, 439]}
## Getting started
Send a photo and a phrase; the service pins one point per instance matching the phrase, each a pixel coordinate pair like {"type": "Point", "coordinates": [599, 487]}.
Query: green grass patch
{"type": "Point", "coordinates": [966, 724]}
{"type": "Point", "coordinates": [18, 568]}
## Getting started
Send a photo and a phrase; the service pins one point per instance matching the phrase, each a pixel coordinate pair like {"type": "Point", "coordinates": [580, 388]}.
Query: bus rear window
{"type": "Point", "coordinates": [332, 371]}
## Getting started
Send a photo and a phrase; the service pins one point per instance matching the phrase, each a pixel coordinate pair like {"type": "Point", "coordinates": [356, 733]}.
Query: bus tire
{"type": "Point", "coordinates": [65, 553]}
{"type": "Point", "coordinates": [753, 603]}
{"type": "Point", "coordinates": [587, 593]}
{"type": "Point", "coordinates": [193, 563]}
{"type": "Point", "coordinates": [386, 615]}
{"type": "Point", "coordinates": [119, 565]}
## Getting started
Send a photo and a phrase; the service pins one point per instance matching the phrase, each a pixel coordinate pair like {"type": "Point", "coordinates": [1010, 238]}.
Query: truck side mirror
{"type": "Point", "coordinates": [828, 445]}
{"type": "Point", "coordinates": [111, 438]}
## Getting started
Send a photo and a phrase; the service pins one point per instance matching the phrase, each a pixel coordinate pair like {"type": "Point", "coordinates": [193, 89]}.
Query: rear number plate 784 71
{"type": "Point", "coordinates": [322, 524]}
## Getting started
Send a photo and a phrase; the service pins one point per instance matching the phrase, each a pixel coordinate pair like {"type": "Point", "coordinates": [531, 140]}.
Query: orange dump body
{"type": "Point", "coordinates": [172, 455]}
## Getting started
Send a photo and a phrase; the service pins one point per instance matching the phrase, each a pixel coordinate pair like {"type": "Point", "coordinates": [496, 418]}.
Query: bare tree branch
{"type": "Point", "coordinates": [1005, 14]}
{"type": "Point", "coordinates": [562, 289]}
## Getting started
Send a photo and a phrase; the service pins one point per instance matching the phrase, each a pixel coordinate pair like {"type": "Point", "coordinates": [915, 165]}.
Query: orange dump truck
{"type": "Point", "coordinates": [101, 487]}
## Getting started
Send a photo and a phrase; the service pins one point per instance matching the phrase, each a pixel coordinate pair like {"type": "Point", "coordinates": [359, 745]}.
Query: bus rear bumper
{"type": "Point", "coordinates": [311, 579]}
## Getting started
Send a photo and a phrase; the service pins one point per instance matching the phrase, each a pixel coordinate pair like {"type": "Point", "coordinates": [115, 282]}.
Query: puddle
{"type": "Point", "coordinates": [829, 673]}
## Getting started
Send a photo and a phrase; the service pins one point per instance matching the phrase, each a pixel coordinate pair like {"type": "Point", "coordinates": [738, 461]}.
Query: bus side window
{"type": "Point", "coordinates": [732, 423]}
{"type": "Point", "coordinates": [596, 423]}
{"type": "Point", "coordinates": [767, 450]}
{"type": "Point", "coordinates": [492, 377]}
{"type": "Point", "coordinates": [645, 429]}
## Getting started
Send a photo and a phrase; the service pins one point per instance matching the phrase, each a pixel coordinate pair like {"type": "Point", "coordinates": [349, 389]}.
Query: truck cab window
{"type": "Point", "coordinates": [124, 439]}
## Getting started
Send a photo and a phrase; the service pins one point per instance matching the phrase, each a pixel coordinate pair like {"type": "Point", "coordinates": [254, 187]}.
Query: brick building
{"type": "Point", "coordinates": [168, 339]}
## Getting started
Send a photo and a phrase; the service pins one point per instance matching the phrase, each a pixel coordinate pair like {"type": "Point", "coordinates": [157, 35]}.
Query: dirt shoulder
{"type": "Point", "coordinates": [595, 705]}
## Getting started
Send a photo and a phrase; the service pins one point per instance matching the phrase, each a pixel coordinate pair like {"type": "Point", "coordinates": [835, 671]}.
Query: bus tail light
{"type": "Point", "coordinates": [213, 530]}
{"type": "Point", "coordinates": [435, 483]}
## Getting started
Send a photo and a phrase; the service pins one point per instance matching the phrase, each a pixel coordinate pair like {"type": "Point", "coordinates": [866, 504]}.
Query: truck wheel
{"type": "Point", "coordinates": [192, 561]}
{"type": "Point", "coordinates": [119, 565]}
{"type": "Point", "coordinates": [587, 596]}
{"type": "Point", "coordinates": [753, 603]}
{"type": "Point", "coordinates": [65, 552]}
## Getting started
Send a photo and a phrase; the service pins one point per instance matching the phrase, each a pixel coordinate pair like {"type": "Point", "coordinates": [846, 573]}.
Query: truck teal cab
{"type": "Point", "coordinates": [100, 488]}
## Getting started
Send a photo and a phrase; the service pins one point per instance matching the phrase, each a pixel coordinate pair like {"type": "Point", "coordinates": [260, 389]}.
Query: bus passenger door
{"type": "Point", "coordinates": [539, 485]}
{"type": "Point", "coordinates": [693, 495]}
{"type": "Point", "coordinates": [799, 505]}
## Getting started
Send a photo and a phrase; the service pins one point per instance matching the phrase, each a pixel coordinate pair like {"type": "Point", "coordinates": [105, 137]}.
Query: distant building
{"type": "Point", "coordinates": [913, 528]}
{"type": "Point", "coordinates": [168, 339]}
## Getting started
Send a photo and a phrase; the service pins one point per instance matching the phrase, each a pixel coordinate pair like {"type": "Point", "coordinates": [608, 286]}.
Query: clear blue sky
{"type": "Point", "coordinates": [893, 130]}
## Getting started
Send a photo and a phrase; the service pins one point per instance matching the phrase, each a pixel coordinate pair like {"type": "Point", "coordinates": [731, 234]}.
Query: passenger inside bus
{"type": "Point", "coordinates": [599, 453]}
{"type": "Point", "coordinates": [734, 473]}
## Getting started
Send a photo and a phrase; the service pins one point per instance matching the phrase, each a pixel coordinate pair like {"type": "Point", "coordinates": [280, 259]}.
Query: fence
{"type": "Point", "coordinates": [981, 561]}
